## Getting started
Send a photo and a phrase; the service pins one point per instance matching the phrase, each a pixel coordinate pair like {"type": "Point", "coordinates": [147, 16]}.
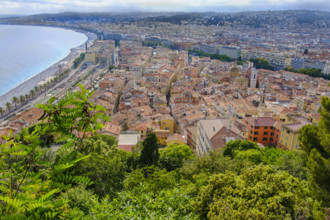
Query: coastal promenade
{"type": "Point", "coordinates": [29, 84]}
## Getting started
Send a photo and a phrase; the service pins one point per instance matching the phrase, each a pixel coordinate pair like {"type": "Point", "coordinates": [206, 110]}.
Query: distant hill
{"type": "Point", "coordinates": [254, 19]}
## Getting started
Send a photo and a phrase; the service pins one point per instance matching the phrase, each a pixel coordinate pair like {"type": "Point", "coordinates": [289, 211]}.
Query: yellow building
{"type": "Point", "coordinates": [162, 136]}
{"type": "Point", "coordinates": [176, 139]}
{"type": "Point", "coordinates": [168, 123]}
{"type": "Point", "coordinates": [290, 132]}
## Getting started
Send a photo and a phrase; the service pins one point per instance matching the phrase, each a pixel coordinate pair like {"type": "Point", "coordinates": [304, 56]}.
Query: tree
{"type": "Point", "coordinates": [315, 141]}
{"type": "Point", "coordinates": [1, 111]}
{"type": "Point", "coordinates": [257, 193]}
{"type": "Point", "coordinates": [125, 126]}
{"type": "Point", "coordinates": [31, 187]}
{"type": "Point", "coordinates": [15, 101]}
{"type": "Point", "coordinates": [32, 92]}
{"type": "Point", "coordinates": [36, 89]}
{"type": "Point", "coordinates": [240, 145]}
{"type": "Point", "coordinates": [149, 153]}
{"type": "Point", "coordinates": [8, 106]}
{"type": "Point", "coordinates": [290, 69]}
{"type": "Point", "coordinates": [173, 156]}
{"type": "Point", "coordinates": [22, 99]}
{"type": "Point", "coordinates": [74, 116]}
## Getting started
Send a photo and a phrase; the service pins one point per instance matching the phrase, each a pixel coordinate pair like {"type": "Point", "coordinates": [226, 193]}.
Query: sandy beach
{"type": "Point", "coordinates": [29, 84]}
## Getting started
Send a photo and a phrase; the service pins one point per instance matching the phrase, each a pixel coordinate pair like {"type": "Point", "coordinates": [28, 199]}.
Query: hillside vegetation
{"type": "Point", "coordinates": [88, 177]}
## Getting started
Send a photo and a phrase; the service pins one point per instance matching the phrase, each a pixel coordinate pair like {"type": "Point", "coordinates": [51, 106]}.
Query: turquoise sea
{"type": "Point", "coordinates": [27, 50]}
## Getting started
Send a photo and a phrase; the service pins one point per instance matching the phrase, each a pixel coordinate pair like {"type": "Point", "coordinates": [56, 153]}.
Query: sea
{"type": "Point", "coordinates": [27, 50]}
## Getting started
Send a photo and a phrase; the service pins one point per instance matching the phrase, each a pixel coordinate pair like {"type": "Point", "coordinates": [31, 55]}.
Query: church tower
{"type": "Point", "coordinates": [253, 78]}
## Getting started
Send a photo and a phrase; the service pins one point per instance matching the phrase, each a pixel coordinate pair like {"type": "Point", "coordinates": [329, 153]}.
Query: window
{"type": "Point", "coordinates": [266, 127]}
{"type": "Point", "coordinates": [264, 139]}
{"type": "Point", "coordinates": [288, 132]}
{"type": "Point", "coordinates": [255, 132]}
{"type": "Point", "coordinates": [272, 134]}
{"type": "Point", "coordinates": [257, 127]}
{"type": "Point", "coordinates": [271, 139]}
{"type": "Point", "coordinates": [251, 132]}
{"type": "Point", "coordinates": [265, 133]}
{"type": "Point", "coordinates": [255, 139]}
{"type": "Point", "coordinates": [250, 137]}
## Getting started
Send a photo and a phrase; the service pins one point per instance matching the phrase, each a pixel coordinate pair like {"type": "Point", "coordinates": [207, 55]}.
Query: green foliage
{"type": "Point", "coordinates": [89, 177]}
{"type": "Point", "coordinates": [240, 145]}
{"type": "Point", "coordinates": [151, 44]}
{"type": "Point", "coordinates": [73, 116]}
{"type": "Point", "coordinates": [78, 60]}
{"type": "Point", "coordinates": [173, 156]}
{"type": "Point", "coordinates": [79, 198]}
{"type": "Point", "coordinates": [315, 141]}
{"type": "Point", "coordinates": [239, 62]}
{"type": "Point", "coordinates": [290, 69]}
{"type": "Point", "coordinates": [261, 63]}
{"type": "Point", "coordinates": [293, 162]}
{"type": "Point", "coordinates": [149, 153]}
{"type": "Point", "coordinates": [143, 204]}
{"type": "Point", "coordinates": [257, 193]}
{"type": "Point", "coordinates": [112, 68]}
{"type": "Point", "coordinates": [309, 139]}
{"type": "Point", "coordinates": [28, 184]}
{"type": "Point", "coordinates": [313, 72]}
{"type": "Point", "coordinates": [200, 53]}
{"type": "Point", "coordinates": [156, 179]}
{"type": "Point", "coordinates": [211, 163]}
{"type": "Point", "coordinates": [253, 155]}
{"type": "Point", "coordinates": [106, 169]}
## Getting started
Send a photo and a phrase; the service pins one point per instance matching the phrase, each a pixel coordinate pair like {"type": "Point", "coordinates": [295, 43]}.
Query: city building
{"type": "Point", "coordinates": [290, 132]}
{"type": "Point", "coordinates": [231, 51]}
{"type": "Point", "coordinates": [214, 134]}
{"type": "Point", "coordinates": [262, 130]}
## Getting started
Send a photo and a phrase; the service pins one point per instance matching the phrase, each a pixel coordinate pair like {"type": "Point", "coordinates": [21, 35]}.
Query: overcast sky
{"type": "Point", "coordinates": [55, 6]}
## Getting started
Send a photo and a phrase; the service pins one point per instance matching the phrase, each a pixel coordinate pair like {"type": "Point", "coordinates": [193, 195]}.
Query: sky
{"type": "Point", "coordinates": [56, 6]}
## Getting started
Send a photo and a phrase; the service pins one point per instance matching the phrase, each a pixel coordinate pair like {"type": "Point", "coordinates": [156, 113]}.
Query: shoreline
{"type": "Point", "coordinates": [29, 84]}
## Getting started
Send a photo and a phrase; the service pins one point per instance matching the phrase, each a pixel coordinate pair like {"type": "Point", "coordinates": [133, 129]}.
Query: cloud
{"type": "Point", "coordinates": [55, 6]}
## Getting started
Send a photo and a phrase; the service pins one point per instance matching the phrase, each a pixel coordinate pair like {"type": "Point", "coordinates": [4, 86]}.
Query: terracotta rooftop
{"type": "Point", "coordinates": [260, 121]}
{"type": "Point", "coordinates": [176, 137]}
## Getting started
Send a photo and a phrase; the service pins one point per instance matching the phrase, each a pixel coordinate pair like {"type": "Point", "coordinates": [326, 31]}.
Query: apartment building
{"type": "Point", "coordinates": [214, 134]}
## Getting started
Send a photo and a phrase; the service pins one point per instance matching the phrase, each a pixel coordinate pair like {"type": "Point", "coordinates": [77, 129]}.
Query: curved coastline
{"type": "Point", "coordinates": [27, 85]}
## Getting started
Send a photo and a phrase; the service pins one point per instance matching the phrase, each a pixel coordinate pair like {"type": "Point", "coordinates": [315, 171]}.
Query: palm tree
{"type": "Point", "coordinates": [22, 99]}
{"type": "Point", "coordinates": [36, 89]}
{"type": "Point", "coordinates": [8, 105]}
{"type": "Point", "coordinates": [1, 111]}
{"type": "Point", "coordinates": [27, 96]}
{"type": "Point", "coordinates": [15, 101]}
{"type": "Point", "coordinates": [32, 92]}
